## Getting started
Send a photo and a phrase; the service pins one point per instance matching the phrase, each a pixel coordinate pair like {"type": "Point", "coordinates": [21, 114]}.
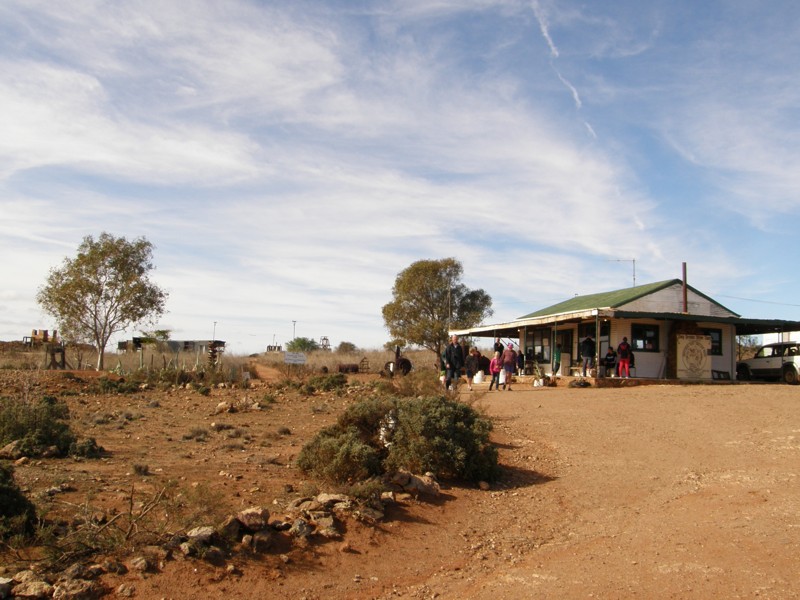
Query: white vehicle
{"type": "Point", "coordinates": [773, 361]}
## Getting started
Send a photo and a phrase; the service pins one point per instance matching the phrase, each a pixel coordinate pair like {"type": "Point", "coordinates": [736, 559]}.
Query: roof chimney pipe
{"type": "Point", "coordinates": [685, 294]}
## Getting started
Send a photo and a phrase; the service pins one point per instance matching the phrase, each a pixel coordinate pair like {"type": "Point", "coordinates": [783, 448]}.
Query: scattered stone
{"type": "Point", "coordinates": [11, 451]}
{"type": "Point", "coordinates": [5, 586]}
{"type": "Point", "coordinates": [115, 567]}
{"type": "Point", "coordinates": [328, 500]}
{"type": "Point", "coordinates": [262, 540]}
{"type": "Point", "coordinates": [140, 564]}
{"type": "Point", "coordinates": [78, 589]}
{"type": "Point", "coordinates": [416, 484]}
{"type": "Point", "coordinates": [126, 590]}
{"type": "Point", "coordinates": [483, 485]}
{"type": "Point", "coordinates": [254, 519]}
{"type": "Point", "coordinates": [23, 576]}
{"type": "Point", "coordinates": [213, 555]}
{"type": "Point", "coordinates": [300, 528]}
{"type": "Point", "coordinates": [32, 589]}
{"type": "Point", "coordinates": [21, 461]}
{"type": "Point", "coordinates": [369, 514]}
{"type": "Point", "coordinates": [230, 528]}
{"type": "Point", "coordinates": [201, 535]}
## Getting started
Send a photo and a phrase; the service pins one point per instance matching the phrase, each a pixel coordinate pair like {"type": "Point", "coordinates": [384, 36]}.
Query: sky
{"type": "Point", "coordinates": [289, 159]}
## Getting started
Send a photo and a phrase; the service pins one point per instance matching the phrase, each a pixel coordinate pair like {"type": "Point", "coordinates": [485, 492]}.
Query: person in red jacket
{"type": "Point", "coordinates": [624, 358]}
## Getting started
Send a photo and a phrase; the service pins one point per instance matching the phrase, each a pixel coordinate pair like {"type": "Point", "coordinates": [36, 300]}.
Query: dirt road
{"type": "Point", "coordinates": [656, 492]}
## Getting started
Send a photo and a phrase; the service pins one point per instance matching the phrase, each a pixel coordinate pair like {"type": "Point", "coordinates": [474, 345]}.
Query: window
{"type": "Point", "coordinates": [644, 338]}
{"type": "Point", "coordinates": [716, 341]}
{"type": "Point", "coordinates": [541, 344]}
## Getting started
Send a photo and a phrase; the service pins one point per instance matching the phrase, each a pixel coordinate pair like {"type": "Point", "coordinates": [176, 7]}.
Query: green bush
{"type": "Point", "coordinates": [340, 455]}
{"type": "Point", "coordinates": [328, 383]}
{"type": "Point", "coordinates": [17, 513]}
{"type": "Point", "coordinates": [37, 426]}
{"type": "Point", "coordinates": [428, 434]}
{"type": "Point", "coordinates": [444, 436]}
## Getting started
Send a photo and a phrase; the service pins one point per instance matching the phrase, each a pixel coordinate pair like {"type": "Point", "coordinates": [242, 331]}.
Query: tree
{"type": "Point", "coordinates": [429, 299]}
{"type": "Point", "coordinates": [103, 290]}
{"type": "Point", "coordinates": [346, 348]}
{"type": "Point", "coordinates": [302, 344]}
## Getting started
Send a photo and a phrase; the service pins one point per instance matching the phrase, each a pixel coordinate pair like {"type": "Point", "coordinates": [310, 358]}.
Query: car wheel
{"type": "Point", "coordinates": [742, 373]}
{"type": "Point", "coordinates": [790, 375]}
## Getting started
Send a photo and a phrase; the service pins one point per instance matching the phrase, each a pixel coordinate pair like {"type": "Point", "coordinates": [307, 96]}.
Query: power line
{"type": "Point", "coordinates": [760, 301]}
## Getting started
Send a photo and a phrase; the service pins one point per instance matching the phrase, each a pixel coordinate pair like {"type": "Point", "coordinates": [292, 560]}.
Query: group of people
{"type": "Point", "coordinates": [506, 360]}
{"type": "Point", "coordinates": [455, 358]}
{"type": "Point", "coordinates": [615, 362]}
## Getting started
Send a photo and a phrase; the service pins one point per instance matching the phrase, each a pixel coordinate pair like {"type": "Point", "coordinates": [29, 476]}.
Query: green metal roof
{"type": "Point", "coordinates": [612, 299]}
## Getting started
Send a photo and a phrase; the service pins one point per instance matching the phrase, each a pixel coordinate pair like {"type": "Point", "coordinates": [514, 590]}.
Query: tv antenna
{"type": "Point", "coordinates": [630, 260]}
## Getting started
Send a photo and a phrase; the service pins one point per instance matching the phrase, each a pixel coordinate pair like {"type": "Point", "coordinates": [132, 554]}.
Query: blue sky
{"type": "Point", "coordinates": [289, 159]}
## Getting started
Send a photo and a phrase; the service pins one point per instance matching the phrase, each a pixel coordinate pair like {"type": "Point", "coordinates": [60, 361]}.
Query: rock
{"type": "Point", "coordinates": [23, 576]}
{"type": "Point", "coordinates": [416, 484]}
{"type": "Point", "coordinates": [11, 451]}
{"type": "Point", "coordinates": [230, 528]}
{"type": "Point", "coordinates": [201, 535]}
{"type": "Point", "coordinates": [187, 549]}
{"type": "Point", "coordinates": [115, 567]}
{"type": "Point", "coordinates": [126, 590]}
{"type": "Point", "coordinates": [223, 407]}
{"type": "Point", "coordinates": [78, 589]}
{"type": "Point", "coordinates": [254, 519]}
{"type": "Point", "coordinates": [5, 587]}
{"type": "Point", "coordinates": [50, 452]}
{"type": "Point", "coordinates": [300, 529]}
{"type": "Point", "coordinates": [21, 461]}
{"type": "Point", "coordinates": [140, 564]}
{"type": "Point", "coordinates": [484, 486]}
{"type": "Point", "coordinates": [32, 589]}
{"type": "Point", "coordinates": [370, 514]}
{"type": "Point", "coordinates": [261, 540]}
{"type": "Point", "coordinates": [213, 555]}
{"type": "Point", "coordinates": [328, 500]}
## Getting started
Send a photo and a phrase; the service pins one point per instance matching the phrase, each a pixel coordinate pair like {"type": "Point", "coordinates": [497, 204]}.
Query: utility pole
{"type": "Point", "coordinates": [214, 334]}
{"type": "Point", "coordinates": [294, 329]}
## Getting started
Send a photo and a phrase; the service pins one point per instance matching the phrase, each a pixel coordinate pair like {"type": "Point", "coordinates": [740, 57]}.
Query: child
{"type": "Point", "coordinates": [495, 366]}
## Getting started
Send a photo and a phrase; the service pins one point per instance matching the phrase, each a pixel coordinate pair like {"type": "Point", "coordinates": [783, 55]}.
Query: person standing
{"type": "Point", "coordinates": [509, 359]}
{"type": "Point", "coordinates": [495, 366]}
{"type": "Point", "coordinates": [471, 365]}
{"type": "Point", "coordinates": [624, 355]}
{"type": "Point", "coordinates": [588, 348]}
{"type": "Point", "coordinates": [454, 360]}
{"type": "Point", "coordinates": [498, 346]}
{"type": "Point", "coordinates": [610, 361]}
{"type": "Point", "coordinates": [556, 359]}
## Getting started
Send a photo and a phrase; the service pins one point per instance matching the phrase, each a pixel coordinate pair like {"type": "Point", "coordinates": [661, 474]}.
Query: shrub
{"type": "Point", "coordinates": [37, 426]}
{"type": "Point", "coordinates": [428, 434]}
{"type": "Point", "coordinates": [87, 448]}
{"type": "Point", "coordinates": [17, 513]}
{"type": "Point", "coordinates": [340, 455]}
{"type": "Point", "coordinates": [327, 383]}
{"type": "Point", "coordinates": [444, 436]}
{"type": "Point", "coordinates": [198, 434]}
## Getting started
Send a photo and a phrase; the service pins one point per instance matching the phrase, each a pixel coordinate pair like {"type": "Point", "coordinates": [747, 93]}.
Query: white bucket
{"type": "Point", "coordinates": [478, 377]}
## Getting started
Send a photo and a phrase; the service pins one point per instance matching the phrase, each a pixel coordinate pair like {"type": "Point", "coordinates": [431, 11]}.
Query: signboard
{"type": "Point", "coordinates": [294, 358]}
{"type": "Point", "coordinates": [693, 359]}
